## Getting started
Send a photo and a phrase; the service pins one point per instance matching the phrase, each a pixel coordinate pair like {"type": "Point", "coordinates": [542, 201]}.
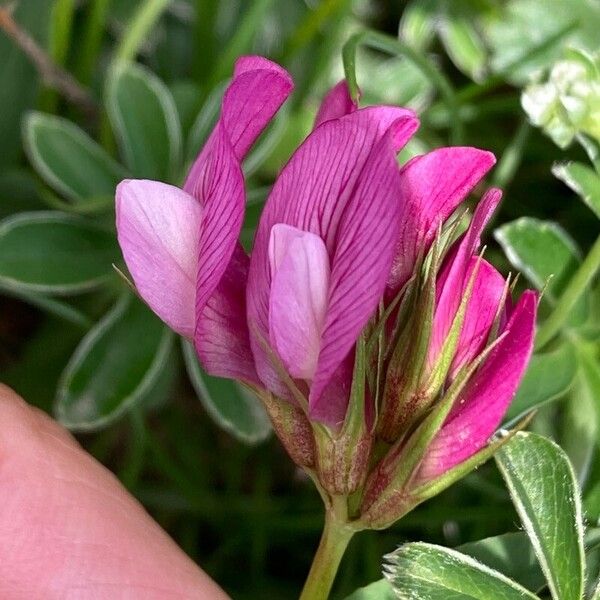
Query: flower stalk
{"type": "Point", "coordinates": [336, 536]}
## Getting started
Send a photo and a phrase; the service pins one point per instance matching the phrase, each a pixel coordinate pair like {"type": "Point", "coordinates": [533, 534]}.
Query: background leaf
{"type": "Point", "coordinates": [380, 590]}
{"type": "Point", "coordinates": [19, 79]}
{"type": "Point", "coordinates": [549, 375]}
{"type": "Point", "coordinates": [233, 408]}
{"type": "Point", "coordinates": [585, 182]}
{"type": "Point", "coordinates": [55, 253]}
{"type": "Point", "coordinates": [545, 493]}
{"type": "Point", "coordinates": [545, 254]}
{"type": "Point", "coordinates": [68, 159]}
{"type": "Point", "coordinates": [145, 119]}
{"type": "Point", "coordinates": [114, 367]}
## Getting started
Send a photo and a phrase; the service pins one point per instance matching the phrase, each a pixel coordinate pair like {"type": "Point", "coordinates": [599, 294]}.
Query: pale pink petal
{"type": "Point", "coordinates": [482, 308]}
{"type": "Point", "coordinates": [298, 301]}
{"type": "Point", "coordinates": [452, 279]}
{"type": "Point", "coordinates": [222, 340]}
{"type": "Point", "coordinates": [487, 396]}
{"type": "Point", "coordinates": [158, 227]}
{"type": "Point", "coordinates": [336, 104]}
{"type": "Point", "coordinates": [312, 194]}
{"type": "Point", "coordinates": [433, 185]}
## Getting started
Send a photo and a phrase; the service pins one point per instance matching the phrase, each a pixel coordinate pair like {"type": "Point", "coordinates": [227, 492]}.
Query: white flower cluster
{"type": "Point", "coordinates": [569, 102]}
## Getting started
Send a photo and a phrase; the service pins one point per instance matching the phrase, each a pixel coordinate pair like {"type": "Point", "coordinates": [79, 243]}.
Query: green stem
{"type": "Point", "coordinates": [394, 46]}
{"type": "Point", "coordinates": [140, 26]}
{"type": "Point", "coordinates": [334, 541]}
{"type": "Point", "coordinates": [577, 285]}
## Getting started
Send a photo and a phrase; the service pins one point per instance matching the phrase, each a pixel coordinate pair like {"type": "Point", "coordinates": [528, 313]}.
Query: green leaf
{"type": "Point", "coordinates": [145, 120]}
{"type": "Point", "coordinates": [205, 121]}
{"type": "Point", "coordinates": [417, 24]}
{"type": "Point", "coordinates": [380, 590]}
{"type": "Point", "coordinates": [233, 408]}
{"type": "Point", "coordinates": [68, 159]}
{"type": "Point", "coordinates": [512, 555]}
{"type": "Point", "coordinates": [545, 254]}
{"type": "Point", "coordinates": [18, 192]}
{"type": "Point", "coordinates": [429, 572]}
{"type": "Point", "coordinates": [542, 484]}
{"type": "Point", "coordinates": [548, 376]}
{"type": "Point", "coordinates": [19, 77]}
{"type": "Point", "coordinates": [52, 306]}
{"type": "Point", "coordinates": [54, 253]}
{"type": "Point", "coordinates": [585, 182]}
{"type": "Point", "coordinates": [463, 45]}
{"type": "Point", "coordinates": [115, 366]}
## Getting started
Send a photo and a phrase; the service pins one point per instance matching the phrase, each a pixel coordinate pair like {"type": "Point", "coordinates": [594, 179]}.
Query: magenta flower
{"type": "Point", "coordinates": [324, 248]}
{"type": "Point", "coordinates": [349, 247]}
{"type": "Point", "coordinates": [181, 246]}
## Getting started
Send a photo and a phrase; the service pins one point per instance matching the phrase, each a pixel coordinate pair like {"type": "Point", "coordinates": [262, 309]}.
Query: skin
{"type": "Point", "coordinates": [68, 528]}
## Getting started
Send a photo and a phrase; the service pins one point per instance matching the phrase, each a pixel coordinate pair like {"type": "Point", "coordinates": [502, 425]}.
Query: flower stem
{"type": "Point", "coordinates": [334, 541]}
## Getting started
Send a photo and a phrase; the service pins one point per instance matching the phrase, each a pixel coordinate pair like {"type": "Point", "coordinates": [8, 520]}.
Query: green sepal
{"type": "Point", "coordinates": [291, 426]}
{"type": "Point", "coordinates": [440, 370]}
{"type": "Point", "coordinates": [343, 456]}
{"type": "Point", "coordinates": [386, 488]}
{"type": "Point", "coordinates": [402, 404]}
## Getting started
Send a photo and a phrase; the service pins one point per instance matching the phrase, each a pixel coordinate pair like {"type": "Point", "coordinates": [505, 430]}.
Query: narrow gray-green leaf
{"type": "Point", "coordinates": [380, 590]}
{"type": "Point", "coordinates": [548, 376]}
{"type": "Point", "coordinates": [54, 253]}
{"type": "Point", "coordinates": [585, 182]}
{"type": "Point", "coordinates": [545, 493]}
{"type": "Point", "coordinates": [464, 46]}
{"type": "Point", "coordinates": [145, 120]}
{"type": "Point", "coordinates": [68, 159]}
{"type": "Point", "coordinates": [19, 76]}
{"type": "Point", "coordinates": [115, 366]}
{"type": "Point", "coordinates": [429, 572]}
{"type": "Point", "coordinates": [232, 407]}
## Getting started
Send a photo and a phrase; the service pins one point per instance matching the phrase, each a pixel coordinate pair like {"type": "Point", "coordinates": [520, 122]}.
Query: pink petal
{"type": "Point", "coordinates": [298, 301]}
{"type": "Point", "coordinates": [257, 90]}
{"type": "Point", "coordinates": [312, 194]}
{"type": "Point", "coordinates": [482, 308]}
{"type": "Point", "coordinates": [453, 278]}
{"type": "Point", "coordinates": [336, 104]}
{"type": "Point", "coordinates": [158, 228]}
{"type": "Point", "coordinates": [487, 396]}
{"type": "Point", "coordinates": [360, 267]}
{"type": "Point", "coordinates": [222, 339]}
{"type": "Point", "coordinates": [433, 185]}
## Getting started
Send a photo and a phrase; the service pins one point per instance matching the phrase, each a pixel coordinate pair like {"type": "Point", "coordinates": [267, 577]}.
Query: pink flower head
{"type": "Point", "coordinates": [181, 246]}
{"type": "Point", "coordinates": [339, 238]}
{"type": "Point", "coordinates": [324, 247]}
{"type": "Point", "coordinates": [482, 404]}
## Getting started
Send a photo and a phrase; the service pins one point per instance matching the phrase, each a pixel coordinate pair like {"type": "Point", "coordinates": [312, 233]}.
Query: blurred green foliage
{"type": "Point", "coordinates": [75, 341]}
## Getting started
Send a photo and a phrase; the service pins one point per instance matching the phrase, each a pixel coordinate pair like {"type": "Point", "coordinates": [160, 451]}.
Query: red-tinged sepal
{"type": "Point", "coordinates": [292, 428]}
{"type": "Point", "coordinates": [389, 484]}
{"type": "Point", "coordinates": [343, 456]}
